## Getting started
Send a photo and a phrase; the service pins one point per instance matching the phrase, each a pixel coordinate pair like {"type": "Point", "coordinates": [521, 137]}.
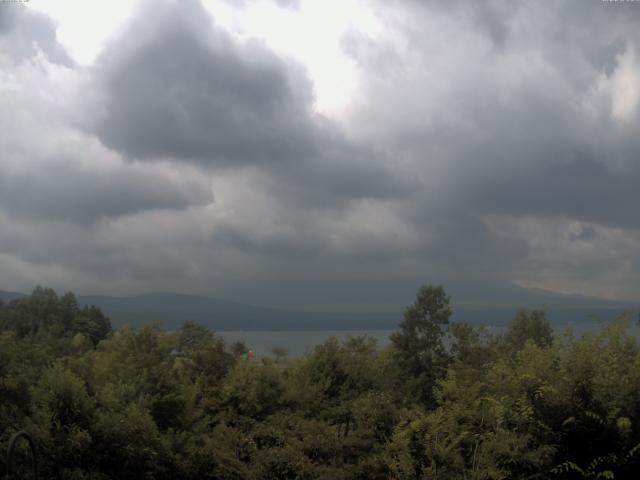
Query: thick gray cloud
{"type": "Point", "coordinates": [486, 142]}
{"type": "Point", "coordinates": [181, 88]}
{"type": "Point", "coordinates": [517, 110]}
{"type": "Point", "coordinates": [64, 191]}
{"type": "Point", "coordinates": [49, 170]}
{"type": "Point", "coordinates": [177, 87]}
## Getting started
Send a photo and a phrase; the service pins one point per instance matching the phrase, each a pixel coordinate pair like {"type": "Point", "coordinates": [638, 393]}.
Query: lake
{"type": "Point", "coordinates": [298, 342]}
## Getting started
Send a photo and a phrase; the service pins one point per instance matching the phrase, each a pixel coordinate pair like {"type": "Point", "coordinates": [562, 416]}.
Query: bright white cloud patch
{"type": "Point", "coordinates": [311, 33]}
{"type": "Point", "coordinates": [624, 87]}
{"type": "Point", "coordinates": [84, 27]}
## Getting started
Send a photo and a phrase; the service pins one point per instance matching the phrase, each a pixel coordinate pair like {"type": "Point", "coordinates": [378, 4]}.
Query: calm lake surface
{"type": "Point", "coordinates": [298, 342]}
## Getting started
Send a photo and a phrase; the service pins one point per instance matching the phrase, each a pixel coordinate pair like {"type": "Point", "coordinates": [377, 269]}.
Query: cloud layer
{"type": "Point", "coordinates": [484, 143]}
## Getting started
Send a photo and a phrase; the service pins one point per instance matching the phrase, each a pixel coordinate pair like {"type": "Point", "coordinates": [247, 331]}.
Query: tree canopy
{"type": "Point", "coordinates": [443, 400]}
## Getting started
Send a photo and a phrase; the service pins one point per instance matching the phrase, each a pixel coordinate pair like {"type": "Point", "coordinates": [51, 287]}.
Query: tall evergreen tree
{"type": "Point", "coordinates": [418, 344]}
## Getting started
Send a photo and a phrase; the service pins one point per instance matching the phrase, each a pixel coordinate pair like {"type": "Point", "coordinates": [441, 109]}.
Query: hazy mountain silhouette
{"type": "Point", "coordinates": [6, 297]}
{"type": "Point", "coordinates": [173, 309]}
{"type": "Point", "coordinates": [489, 307]}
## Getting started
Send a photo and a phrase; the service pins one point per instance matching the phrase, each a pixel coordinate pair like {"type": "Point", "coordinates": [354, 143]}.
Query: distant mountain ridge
{"type": "Point", "coordinates": [7, 297]}
{"type": "Point", "coordinates": [222, 315]}
{"type": "Point", "coordinates": [173, 309]}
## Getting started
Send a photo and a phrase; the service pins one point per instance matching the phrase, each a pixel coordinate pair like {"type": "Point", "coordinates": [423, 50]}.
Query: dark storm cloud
{"type": "Point", "coordinates": [485, 141]}
{"type": "Point", "coordinates": [582, 189]}
{"type": "Point", "coordinates": [63, 191]}
{"type": "Point", "coordinates": [181, 88]}
{"type": "Point", "coordinates": [496, 109]}
{"type": "Point", "coordinates": [539, 156]}
{"type": "Point", "coordinates": [23, 31]}
{"type": "Point", "coordinates": [521, 120]}
{"type": "Point", "coordinates": [51, 172]}
{"type": "Point", "coordinates": [541, 136]}
{"type": "Point", "coordinates": [178, 93]}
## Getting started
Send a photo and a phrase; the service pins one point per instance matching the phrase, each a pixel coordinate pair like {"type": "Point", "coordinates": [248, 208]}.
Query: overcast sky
{"type": "Point", "coordinates": [319, 153]}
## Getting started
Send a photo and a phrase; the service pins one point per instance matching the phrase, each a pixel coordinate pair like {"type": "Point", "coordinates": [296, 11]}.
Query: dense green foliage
{"type": "Point", "coordinates": [443, 401]}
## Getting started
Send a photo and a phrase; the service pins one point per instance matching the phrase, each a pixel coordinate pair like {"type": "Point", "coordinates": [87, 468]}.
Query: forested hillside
{"type": "Point", "coordinates": [444, 400]}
